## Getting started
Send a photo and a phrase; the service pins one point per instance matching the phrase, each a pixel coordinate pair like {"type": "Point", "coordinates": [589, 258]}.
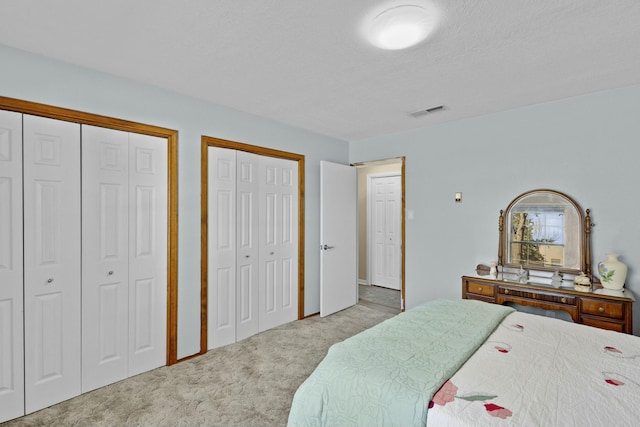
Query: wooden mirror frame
{"type": "Point", "coordinates": [584, 235]}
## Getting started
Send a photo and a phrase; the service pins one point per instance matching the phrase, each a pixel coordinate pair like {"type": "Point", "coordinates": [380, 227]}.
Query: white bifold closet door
{"type": "Point", "coordinates": [278, 209]}
{"type": "Point", "coordinates": [51, 150]}
{"type": "Point", "coordinates": [247, 245]}
{"type": "Point", "coordinates": [124, 255]}
{"type": "Point", "coordinates": [11, 270]}
{"type": "Point", "coordinates": [252, 244]}
{"type": "Point", "coordinates": [83, 259]}
{"type": "Point", "coordinates": [221, 294]}
{"type": "Point", "coordinates": [233, 248]}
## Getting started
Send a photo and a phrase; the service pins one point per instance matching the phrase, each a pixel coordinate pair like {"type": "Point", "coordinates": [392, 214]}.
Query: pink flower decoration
{"type": "Point", "coordinates": [613, 382]}
{"type": "Point", "coordinates": [497, 411]}
{"type": "Point", "coordinates": [446, 394]}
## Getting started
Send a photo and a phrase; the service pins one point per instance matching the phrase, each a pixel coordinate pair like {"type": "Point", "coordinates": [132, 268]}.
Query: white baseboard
{"type": "Point", "coordinates": [363, 282]}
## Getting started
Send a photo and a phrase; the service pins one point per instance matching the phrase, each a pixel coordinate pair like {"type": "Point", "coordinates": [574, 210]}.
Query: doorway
{"type": "Point", "coordinates": [381, 234]}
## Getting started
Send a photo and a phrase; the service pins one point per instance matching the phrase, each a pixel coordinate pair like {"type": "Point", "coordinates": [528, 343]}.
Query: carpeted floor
{"type": "Point", "coordinates": [249, 383]}
{"type": "Point", "coordinates": [379, 295]}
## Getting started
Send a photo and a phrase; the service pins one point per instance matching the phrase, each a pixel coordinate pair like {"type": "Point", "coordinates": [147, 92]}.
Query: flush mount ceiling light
{"type": "Point", "coordinates": [400, 27]}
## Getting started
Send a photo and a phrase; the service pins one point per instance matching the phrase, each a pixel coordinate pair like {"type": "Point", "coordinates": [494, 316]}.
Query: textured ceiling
{"type": "Point", "coordinates": [307, 64]}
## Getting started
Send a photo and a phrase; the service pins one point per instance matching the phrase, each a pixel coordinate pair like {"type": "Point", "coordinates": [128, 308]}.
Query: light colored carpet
{"type": "Point", "coordinates": [379, 295]}
{"type": "Point", "coordinates": [249, 383]}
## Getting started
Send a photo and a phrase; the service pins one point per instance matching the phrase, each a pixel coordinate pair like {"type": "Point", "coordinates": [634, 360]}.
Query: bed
{"type": "Point", "coordinates": [466, 362]}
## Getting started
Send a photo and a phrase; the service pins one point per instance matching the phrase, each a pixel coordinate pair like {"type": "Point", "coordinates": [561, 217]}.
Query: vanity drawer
{"type": "Point", "coordinates": [613, 310]}
{"type": "Point", "coordinates": [480, 288]}
{"type": "Point", "coordinates": [599, 323]}
{"type": "Point", "coordinates": [537, 295]}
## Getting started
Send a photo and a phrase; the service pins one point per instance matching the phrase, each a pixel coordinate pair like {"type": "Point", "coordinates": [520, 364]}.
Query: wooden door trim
{"type": "Point", "coordinates": [65, 114]}
{"type": "Point", "coordinates": [206, 142]}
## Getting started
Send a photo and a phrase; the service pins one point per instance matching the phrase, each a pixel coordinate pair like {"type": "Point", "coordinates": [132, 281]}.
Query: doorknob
{"type": "Point", "coordinates": [326, 247]}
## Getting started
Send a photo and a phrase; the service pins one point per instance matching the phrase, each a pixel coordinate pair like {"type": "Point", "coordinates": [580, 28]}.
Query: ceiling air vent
{"type": "Point", "coordinates": [427, 111]}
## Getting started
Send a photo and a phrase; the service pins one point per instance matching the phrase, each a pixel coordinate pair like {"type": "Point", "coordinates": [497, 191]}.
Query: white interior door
{"type": "Point", "coordinates": [148, 232]}
{"type": "Point", "coordinates": [247, 244]}
{"type": "Point", "coordinates": [105, 256]}
{"type": "Point", "coordinates": [385, 196]}
{"type": "Point", "coordinates": [11, 272]}
{"type": "Point", "coordinates": [51, 261]}
{"type": "Point", "coordinates": [338, 237]}
{"type": "Point", "coordinates": [278, 241]}
{"type": "Point", "coordinates": [221, 263]}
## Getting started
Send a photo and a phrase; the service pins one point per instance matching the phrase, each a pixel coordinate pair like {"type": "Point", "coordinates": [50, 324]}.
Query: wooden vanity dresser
{"type": "Point", "coordinates": [600, 307]}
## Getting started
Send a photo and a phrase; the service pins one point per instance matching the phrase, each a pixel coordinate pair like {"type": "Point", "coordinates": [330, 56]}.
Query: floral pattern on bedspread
{"type": "Point", "coordinates": [614, 378]}
{"type": "Point", "coordinates": [544, 371]}
{"type": "Point", "coordinates": [448, 393]}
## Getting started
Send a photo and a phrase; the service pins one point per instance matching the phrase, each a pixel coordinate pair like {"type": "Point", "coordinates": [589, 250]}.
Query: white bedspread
{"type": "Point", "coordinates": [538, 371]}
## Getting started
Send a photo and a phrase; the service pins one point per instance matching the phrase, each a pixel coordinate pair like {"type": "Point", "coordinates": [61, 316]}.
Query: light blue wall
{"type": "Point", "coordinates": [587, 147]}
{"type": "Point", "coordinates": [34, 78]}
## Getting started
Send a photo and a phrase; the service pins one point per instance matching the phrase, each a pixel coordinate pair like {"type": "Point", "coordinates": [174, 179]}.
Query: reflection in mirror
{"type": "Point", "coordinates": [538, 234]}
{"type": "Point", "coordinates": [544, 230]}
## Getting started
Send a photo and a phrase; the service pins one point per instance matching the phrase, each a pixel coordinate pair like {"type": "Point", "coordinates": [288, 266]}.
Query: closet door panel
{"type": "Point", "coordinates": [52, 261]}
{"type": "Point", "coordinates": [105, 263]}
{"type": "Point", "coordinates": [11, 276]}
{"type": "Point", "coordinates": [247, 265]}
{"type": "Point", "coordinates": [288, 244]}
{"type": "Point", "coordinates": [289, 241]}
{"type": "Point", "coordinates": [221, 249]}
{"type": "Point", "coordinates": [278, 242]}
{"type": "Point", "coordinates": [147, 252]}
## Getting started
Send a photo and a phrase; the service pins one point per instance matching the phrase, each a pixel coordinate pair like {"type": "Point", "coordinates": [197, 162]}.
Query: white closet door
{"type": "Point", "coordinates": [247, 253]}
{"type": "Point", "coordinates": [51, 261]}
{"type": "Point", "coordinates": [11, 278]}
{"type": "Point", "coordinates": [278, 242]}
{"type": "Point", "coordinates": [221, 251]}
{"type": "Point", "coordinates": [105, 263]}
{"type": "Point", "coordinates": [148, 171]}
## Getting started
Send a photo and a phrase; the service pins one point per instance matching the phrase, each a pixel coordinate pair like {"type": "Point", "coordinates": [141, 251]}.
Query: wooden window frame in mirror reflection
{"type": "Point", "coordinates": [542, 199]}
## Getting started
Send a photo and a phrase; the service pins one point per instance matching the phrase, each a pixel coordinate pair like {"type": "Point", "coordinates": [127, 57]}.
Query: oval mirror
{"type": "Point", "coordinates": [545, 230]}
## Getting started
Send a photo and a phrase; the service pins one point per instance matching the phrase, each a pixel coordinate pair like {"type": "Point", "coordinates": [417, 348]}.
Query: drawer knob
{"type": "Point", "coordinates": [506, 291]}
{"type": "Point", "coordinates": [601, 309]}
{"type": "Point", "coordinates": [50, 280]}
{"type": "Point", "coordinates": [563, 300]}
{"type": "Point", "coordinates": [479, 289]}
{"type": "Point", "coordinates": [110, 272]}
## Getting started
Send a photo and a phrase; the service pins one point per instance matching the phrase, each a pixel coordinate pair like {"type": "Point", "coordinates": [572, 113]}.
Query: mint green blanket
{"type": "Point", "coordinates": [387, 375]}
